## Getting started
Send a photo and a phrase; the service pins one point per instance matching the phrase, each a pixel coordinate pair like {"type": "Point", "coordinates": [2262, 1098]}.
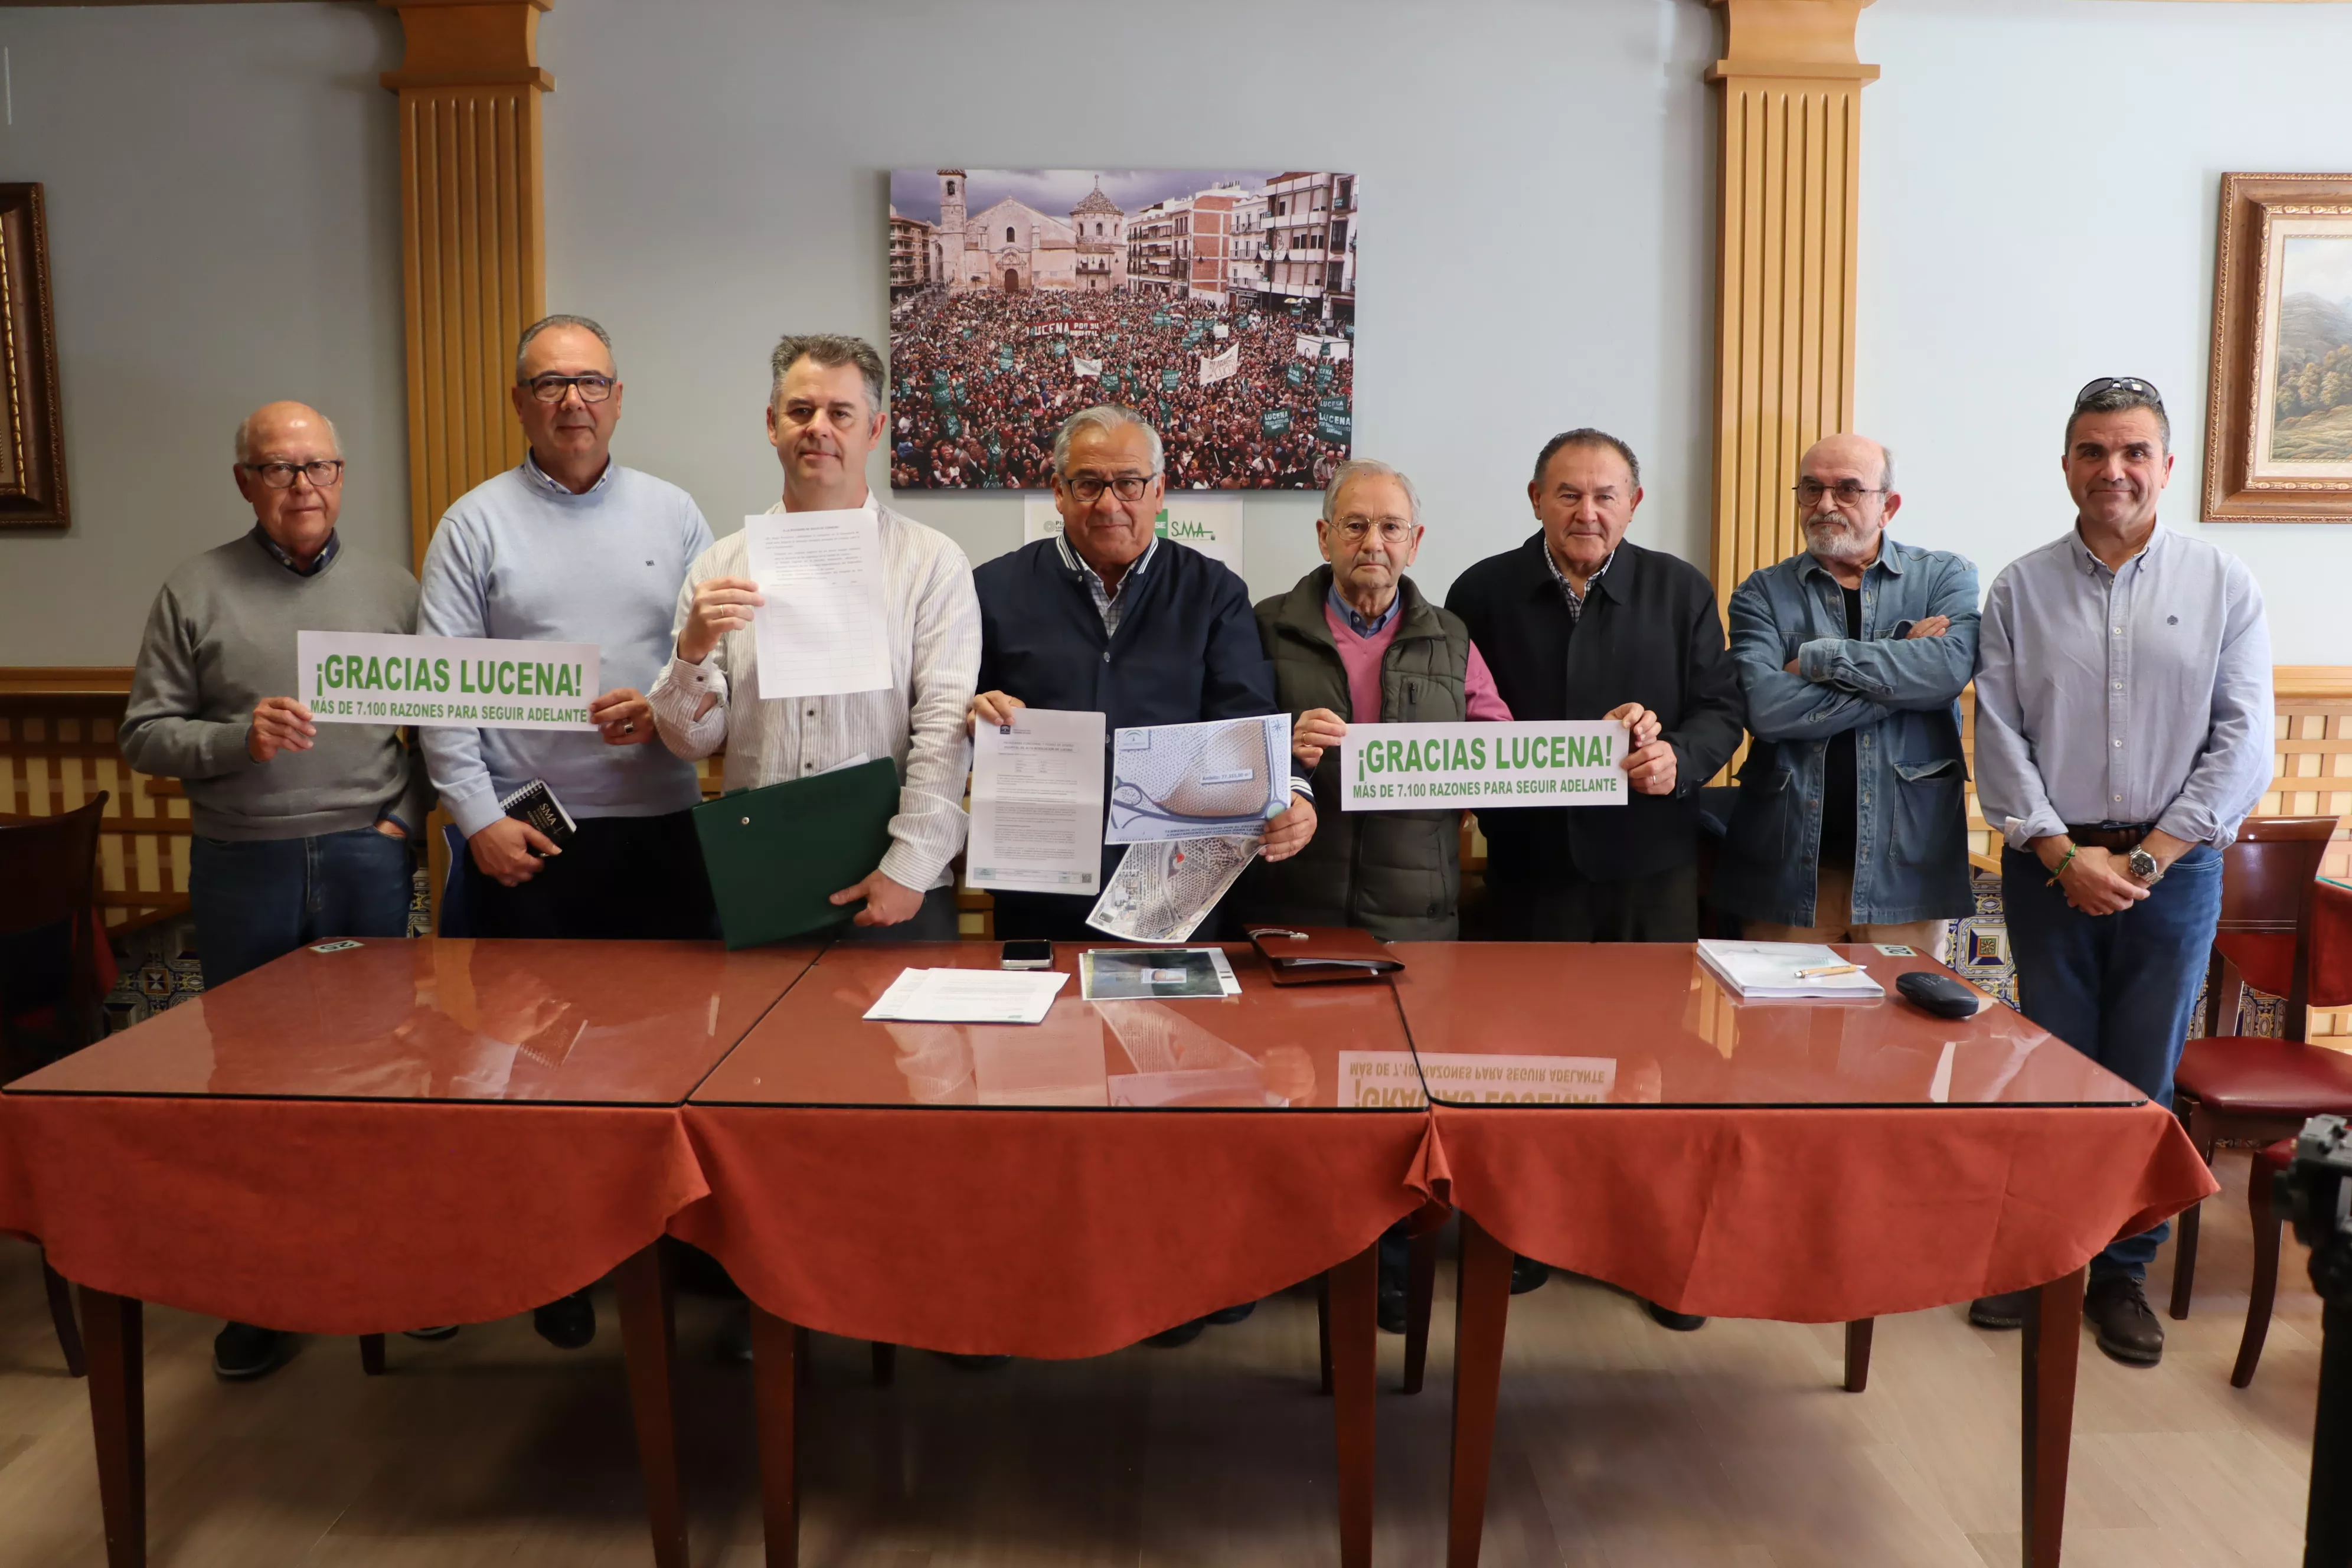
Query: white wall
{"type": "Point", "coordinates": [222, 189]}
{"type": "Point", "coordinates": [1537, 178]}
{"type": "Point", "coordinates": [2040, 182]}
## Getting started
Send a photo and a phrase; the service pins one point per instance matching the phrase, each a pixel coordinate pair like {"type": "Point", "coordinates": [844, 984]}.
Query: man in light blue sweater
{"type": "Point", "coordinates": [571, 547]}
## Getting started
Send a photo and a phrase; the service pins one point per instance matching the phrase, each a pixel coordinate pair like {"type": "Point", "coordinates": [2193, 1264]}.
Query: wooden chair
{"type": "Point", "coordinates": [49, 872]}
{"type": "Point", "coordinates": [2268, 1224]}
{"type": "Point", "coordinates": [2254, 1088]}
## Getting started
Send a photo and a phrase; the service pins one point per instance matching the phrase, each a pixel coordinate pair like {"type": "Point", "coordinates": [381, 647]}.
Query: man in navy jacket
{"type": "Point", "coordinates": [1108, 618]}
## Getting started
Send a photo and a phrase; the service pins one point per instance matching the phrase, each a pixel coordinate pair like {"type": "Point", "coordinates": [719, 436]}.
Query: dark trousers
{"type": "Point", "coordinates": [2118, 988]}
{"type": "Point", "coordinates": [1663, 907]}
{"type": "Point", "coordinates": [1062, 916]}
{"type": "Point", "coordinates": [935, 922]}
{"type": "Point", "coordinates": [256, 900]}
{"type": "Point", "coordinates": [621, 878]}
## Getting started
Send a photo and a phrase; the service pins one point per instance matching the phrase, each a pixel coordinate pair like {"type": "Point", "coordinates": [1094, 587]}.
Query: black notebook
{"type": "Point", "coordinates": [536, 804]}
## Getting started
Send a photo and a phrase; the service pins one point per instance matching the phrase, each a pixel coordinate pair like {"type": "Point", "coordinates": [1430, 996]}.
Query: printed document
{"type": "Point", "coordinates": [1161, 892]}
{"type": "Point", "coordinates": [823, 630]}
{"type": "Point", "coordinates": [970, 995]}
{"type": "Point", "coordinates": [1037, 803]}
{"type": "Point", "coordinates": [1220, 779]}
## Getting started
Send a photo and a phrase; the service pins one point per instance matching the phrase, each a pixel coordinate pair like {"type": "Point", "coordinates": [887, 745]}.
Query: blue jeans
{"type": "Point", "coordinates": [256, 900]}
{"type": "Point", "coordinates": [2118, 988]}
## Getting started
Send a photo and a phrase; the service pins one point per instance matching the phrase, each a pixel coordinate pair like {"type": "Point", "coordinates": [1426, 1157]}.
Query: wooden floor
{"type": "Point", "coordinates": [1619, 1444]}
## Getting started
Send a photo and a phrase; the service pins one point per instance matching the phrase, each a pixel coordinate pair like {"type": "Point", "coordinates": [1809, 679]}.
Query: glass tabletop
{"type": "Point", "coordinates": [1553, 1023]}
{"type": "Point", "coordinates": [584, 1023]}
{"type": "Point", "coordinates": [1269, 1049]}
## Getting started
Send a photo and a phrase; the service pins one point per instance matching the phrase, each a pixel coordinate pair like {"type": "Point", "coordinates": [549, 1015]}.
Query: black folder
{"type": "Point", "coordinates": [777, 855]}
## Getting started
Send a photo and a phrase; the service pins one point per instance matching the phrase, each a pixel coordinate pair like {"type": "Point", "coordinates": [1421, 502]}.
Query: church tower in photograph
{"type": "Point", "coordinates": [951, 230]}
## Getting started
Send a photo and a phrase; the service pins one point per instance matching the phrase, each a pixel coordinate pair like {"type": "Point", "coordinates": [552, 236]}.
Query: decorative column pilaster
{"type": "Point", "coordinates": [1790, 175]}
{"type": "Point", "coordinates": [473, 236]}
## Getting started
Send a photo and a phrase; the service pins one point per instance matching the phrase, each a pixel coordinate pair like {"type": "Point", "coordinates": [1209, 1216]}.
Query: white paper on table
{"type": "Point", "coordinates": [822, 630]}
{"type": "Point", "coordinates": [970, 995]}
{"type": "Point", "coordinates": [1037, 803]}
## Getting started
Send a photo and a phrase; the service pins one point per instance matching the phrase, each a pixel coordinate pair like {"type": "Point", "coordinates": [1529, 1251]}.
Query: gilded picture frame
{"type": "Point", "coordinates": [2278, 440]}
{"type": "Point", "coordinates": [33, 442]}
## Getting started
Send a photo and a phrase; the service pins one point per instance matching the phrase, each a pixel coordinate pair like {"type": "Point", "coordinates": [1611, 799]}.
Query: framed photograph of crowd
{"type": "Point", "coordinates": [1219, 304]}
{"type": "Point", "coordinates": [33, 447]}
{"type": "Point", "coordinates": [2278, 442]}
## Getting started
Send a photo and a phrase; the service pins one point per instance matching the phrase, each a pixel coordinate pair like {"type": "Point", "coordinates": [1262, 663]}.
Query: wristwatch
{"type": "Point", "coordinates": [2144, 869]}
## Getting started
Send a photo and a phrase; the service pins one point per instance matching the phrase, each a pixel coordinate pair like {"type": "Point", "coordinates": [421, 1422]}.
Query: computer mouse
{"type": "Point", "coordinates": [1938, 993]}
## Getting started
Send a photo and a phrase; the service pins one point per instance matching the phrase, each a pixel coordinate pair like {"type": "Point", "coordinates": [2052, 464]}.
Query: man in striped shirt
{"type": "Point", "coordinates": [824, 414]}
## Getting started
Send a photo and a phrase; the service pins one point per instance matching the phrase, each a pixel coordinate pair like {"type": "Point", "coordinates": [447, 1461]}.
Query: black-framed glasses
{"type": "Point", "coordinates": [552, 388]}
{"type": "Point", "coordinates": [2107, 384]}
{"type": "Point", "coordinates": [1849, 492]}
{"type": "Point", "coordinates": [280, 476]}
{"type": "Point", "coordinates": [1126, 487]}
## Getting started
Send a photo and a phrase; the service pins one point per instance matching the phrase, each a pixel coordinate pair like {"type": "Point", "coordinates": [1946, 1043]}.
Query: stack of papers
{"type": "Point", "coordinates": [1776, 969]}
{"type": "Point", "coordinates": [970, 995]}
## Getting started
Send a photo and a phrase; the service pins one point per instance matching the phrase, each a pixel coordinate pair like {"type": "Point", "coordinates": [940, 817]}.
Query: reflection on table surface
{"type": "Point", "coordinates": [1265, 1049]}
{"type": "Point", "coordinates": [1638, 1024]}
{"type": "Point", "coordinates": [605, 1023]}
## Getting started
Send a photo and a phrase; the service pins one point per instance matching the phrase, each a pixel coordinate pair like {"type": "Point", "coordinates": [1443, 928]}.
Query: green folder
{"type": "Point", "coordinates": [776, 856]}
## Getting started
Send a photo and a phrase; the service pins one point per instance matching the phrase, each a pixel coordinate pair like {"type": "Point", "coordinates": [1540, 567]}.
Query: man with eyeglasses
{"type": "Point", "coordinates": [302, 831]}
{"type": "Point", "coordinates": [825, 415]}
{"type": "Point", "coordinates": [1107, 617]}
{"type": "Point", "coordinates": [1852, 817]}
{"type": "Point", "coordinates": [1356, 638]}
{"type": "Point", "coordinates": [571, 546]}
{"type": "Point", "coordinates": [2123, 732]}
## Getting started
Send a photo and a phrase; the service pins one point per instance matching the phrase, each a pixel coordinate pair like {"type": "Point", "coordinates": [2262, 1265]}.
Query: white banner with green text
{"type": "Point", "coordinates": [475, 683]}
{"type": "Point", "coordinates": [1421, 767]}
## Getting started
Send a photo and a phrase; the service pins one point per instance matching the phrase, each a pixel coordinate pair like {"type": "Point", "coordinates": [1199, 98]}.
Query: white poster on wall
{"type": "Point", "coordinates": [1210, 523]}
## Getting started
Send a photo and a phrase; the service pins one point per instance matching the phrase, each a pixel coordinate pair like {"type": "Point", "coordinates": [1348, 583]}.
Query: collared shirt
{"type": "Point", "coordinates": [538, 476]}
{"type": "Point", "coordinates": [1356, 623]}
{"type": "Point", "coordinates": [2134, 696]}
{"type": "Point", "coordinates": [1107, 600]}
{"type": "Point", "coordinates": [1568, 594]}
{"type": "Point", "coordinates": [318, 562]}
{"type": "Point", "coordinates": [917, 721]}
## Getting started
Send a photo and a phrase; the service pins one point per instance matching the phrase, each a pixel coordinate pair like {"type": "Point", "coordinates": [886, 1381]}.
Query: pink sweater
{"type": "Point", "coordinates": [1360, 656]}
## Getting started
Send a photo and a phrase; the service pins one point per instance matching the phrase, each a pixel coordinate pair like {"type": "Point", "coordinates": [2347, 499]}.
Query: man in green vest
{"type": "Point", "coordinates": [1356, 640]}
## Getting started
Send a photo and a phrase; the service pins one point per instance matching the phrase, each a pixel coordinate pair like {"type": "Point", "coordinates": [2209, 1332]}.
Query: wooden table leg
{"type": "Point", "coordinates": [1479, 1315]}
{"type": "Point", "coordinates": [650, 1345]}
{"type": "Point", "coordinates": [1323, 1324]}
{"type": "Point", "coordinates": [372, 1354]}
{"type": "Point", "coordinates": [118, 1419]}
{"type": "Point", "coordinates": [1354, 1294]}
{"type": "Point", "coordinates": [1419, 1292]}
{"type": "Point", "coordinates": [1857, 1354]}
{"type": "Point", "coordinates": [61, 1317]}
{"type": "Point", "coordinates": [775, 1377]}
{"type": "Point", "coordinates": [886, 1364]}
{"type": "Point", "coordinates": [2054, 1334]}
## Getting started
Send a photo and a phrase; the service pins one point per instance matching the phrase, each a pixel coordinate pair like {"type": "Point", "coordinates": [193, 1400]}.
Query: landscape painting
{"type": "Point", "coordinates": [2311, 382]}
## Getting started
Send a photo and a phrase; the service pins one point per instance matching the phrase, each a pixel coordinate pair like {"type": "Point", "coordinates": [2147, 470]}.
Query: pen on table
{"type": "Point", "coordinates": [1828, 969]}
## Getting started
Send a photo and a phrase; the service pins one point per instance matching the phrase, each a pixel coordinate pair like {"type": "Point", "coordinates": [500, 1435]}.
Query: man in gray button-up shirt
{"type": "Point", "coordinates": [2123, 732]}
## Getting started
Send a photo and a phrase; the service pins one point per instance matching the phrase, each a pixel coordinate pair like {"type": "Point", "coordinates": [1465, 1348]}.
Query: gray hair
{"type": "Point", "coordinates": [1589, 437]}
{"type": "Point", "coordinates": [828, 351]}
{"type": "Point", "coordinates": [1105, 418]}
{"type": "Point", "coordinates": [548, 323]}
{"type": "Point", "coordinates": [2121, 395]}
{"type": "Point", "coordinates": [1366, 468]}
{"type": "Point", "coordinates": [245, 435]}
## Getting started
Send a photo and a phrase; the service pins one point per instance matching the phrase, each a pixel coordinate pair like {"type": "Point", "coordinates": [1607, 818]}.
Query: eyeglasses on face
{"type": "Point", "coordinates": [1389, 530]}
{"type": "Point", "coordinates": [552, 388]}
{"type": "Point", "coordinates": [280, 476]}
{"type": "Point", "coordinates": [2130, 383]}
{"type": "Point", "coordinates": [1091, 487]}
{"type": "Point", "coordinates": [1849, 492]}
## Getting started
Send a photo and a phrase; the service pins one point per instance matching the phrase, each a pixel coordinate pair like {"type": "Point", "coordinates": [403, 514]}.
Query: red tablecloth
{"type": "Point", "coordinates": [1814, 1215]}
{"type": "Point", "coordinates": [346, 1216]}
{"type": "Point", "coordinates": [1037, 1233]}
{"type": "Point", "coordinates": [16, 1196]}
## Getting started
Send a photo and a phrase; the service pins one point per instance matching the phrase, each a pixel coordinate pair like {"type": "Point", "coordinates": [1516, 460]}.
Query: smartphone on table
{"type": "Point", "coordinates": [1028, 955]}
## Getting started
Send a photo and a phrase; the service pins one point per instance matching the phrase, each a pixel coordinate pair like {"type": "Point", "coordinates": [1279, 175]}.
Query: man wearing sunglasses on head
{"type": "Point", "coordinates": [569, 546]}
{"type": "Point", "coordinates": [1852, 817]}
{"type": "Point", "coordinates": [2123, 732]}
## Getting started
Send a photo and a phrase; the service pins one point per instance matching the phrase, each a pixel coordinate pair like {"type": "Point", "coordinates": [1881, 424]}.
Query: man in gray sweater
{"type": "Point", "coordinates": [302, 831]}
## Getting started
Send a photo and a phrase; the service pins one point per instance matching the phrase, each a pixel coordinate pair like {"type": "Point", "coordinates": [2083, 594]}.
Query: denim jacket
{"type": "Point", "coordinates": [1900, 696]}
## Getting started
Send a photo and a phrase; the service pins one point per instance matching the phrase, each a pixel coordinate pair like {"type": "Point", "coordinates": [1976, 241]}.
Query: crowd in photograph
{"type": "Point", "coordinates": [982, 380]}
